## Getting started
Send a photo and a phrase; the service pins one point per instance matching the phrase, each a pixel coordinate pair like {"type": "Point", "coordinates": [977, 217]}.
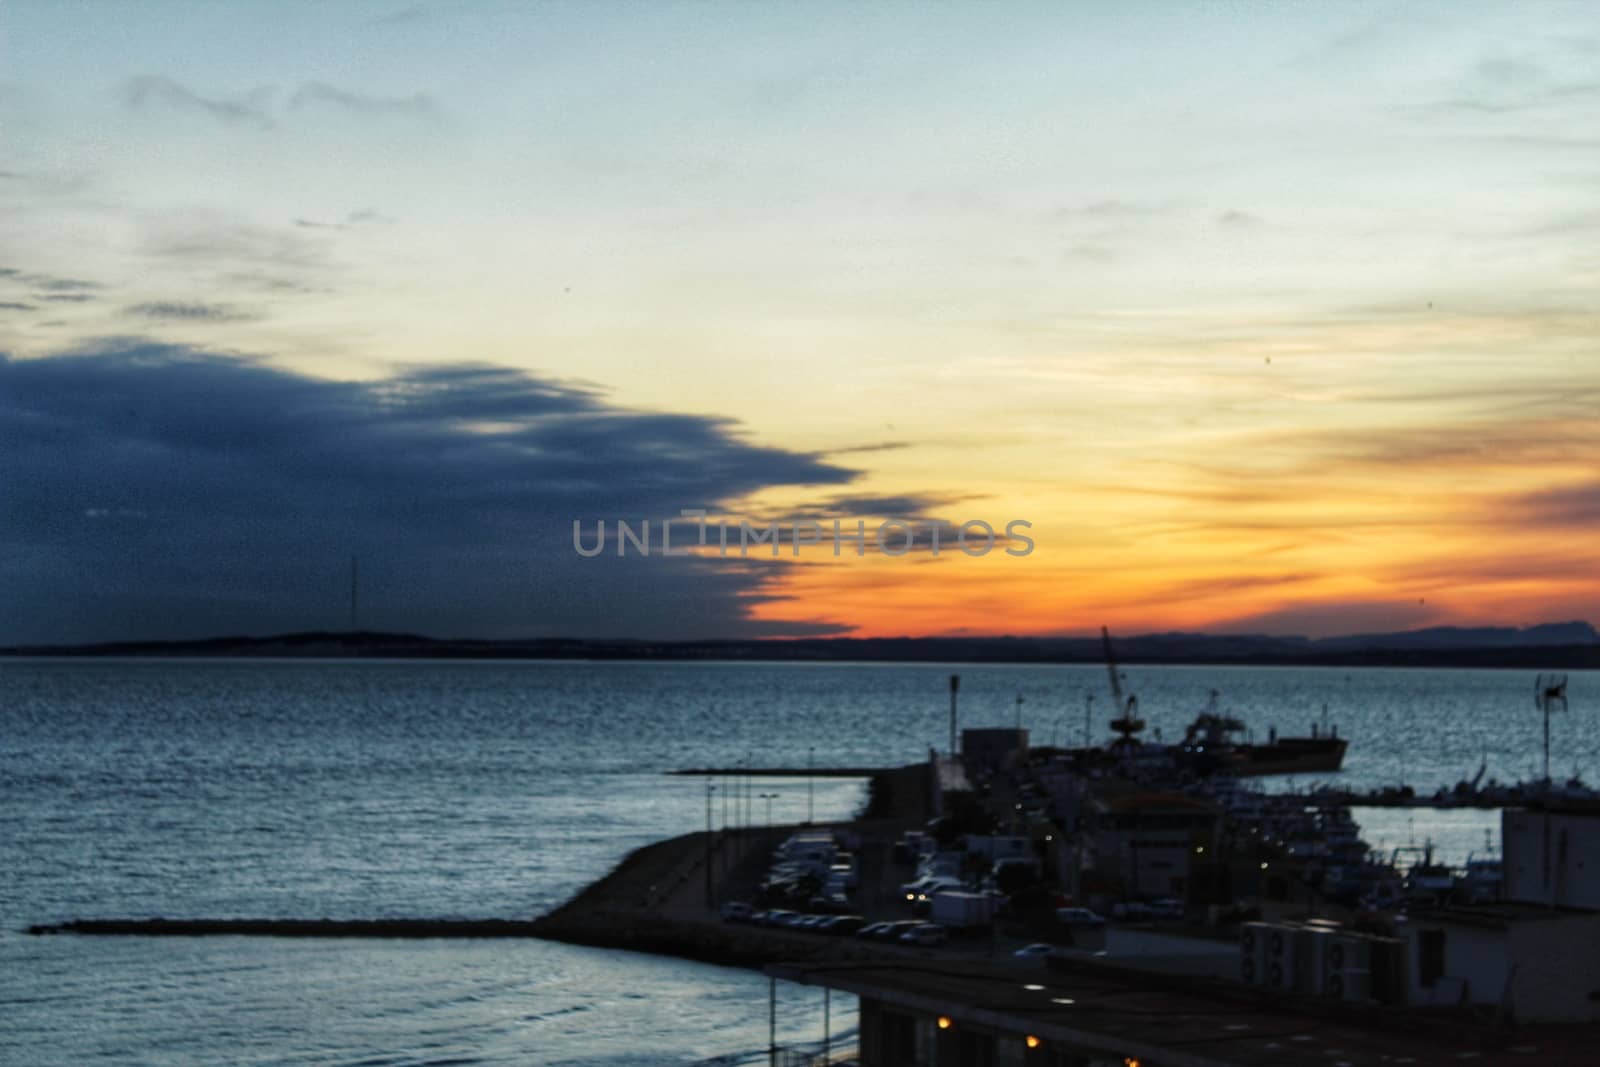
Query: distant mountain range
{"type": "Point", "coordinates": [1562, 645]}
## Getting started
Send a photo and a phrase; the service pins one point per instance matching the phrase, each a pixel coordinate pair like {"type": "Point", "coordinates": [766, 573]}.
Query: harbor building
{"type": "Point", "coordinates": [1533, 956]}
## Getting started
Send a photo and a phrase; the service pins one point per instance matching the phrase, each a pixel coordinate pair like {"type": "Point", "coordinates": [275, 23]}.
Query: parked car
{"type": "Point", "coordinates": [1036, 951]}
{"type": "Point", "coordinates": [843, 925]}
{"type": "Point", "coordinates": [892, 931]}
{"type": "Point", "coordinates": [1078, 917]}
{"type": "Point", "coordinates": [737, 911]}
{"type": "Point", "coordinates": [1167, 908]}
{"type": "Point", "coordinates": [925, 934]}
{"type": "Point", "coordinates": [871, 931]}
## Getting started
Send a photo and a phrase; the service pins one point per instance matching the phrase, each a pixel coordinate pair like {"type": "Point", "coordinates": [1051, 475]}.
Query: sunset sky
{"type": "Point", "coordinates": [1269, 318]}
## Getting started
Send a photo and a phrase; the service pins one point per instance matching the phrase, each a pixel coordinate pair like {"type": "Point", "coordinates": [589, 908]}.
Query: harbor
{"type": "Point", "coordinates": [1009, 902]}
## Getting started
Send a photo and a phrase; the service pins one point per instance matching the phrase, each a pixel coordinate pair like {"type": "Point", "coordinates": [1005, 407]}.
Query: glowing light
{"type": "Point", "coordinates": [1034, 988]}
{"type": "Point", "coordinates": [1130, 1062]}
{"type": "Point", "coordinates": [944, 1022]}
{"type": "Point", "coordinates": [1031, 1041]}
{"type": "Point", "coordinates": [1263, 866]}
{"type": "Point", "coordinates": [1199, 850]}
{"type": "Point", "coordinates": [1062, 1000]}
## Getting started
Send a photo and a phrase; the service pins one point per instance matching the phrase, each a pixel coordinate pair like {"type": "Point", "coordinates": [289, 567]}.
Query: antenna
{"type": "Point", "coordinates": [1549, 694]}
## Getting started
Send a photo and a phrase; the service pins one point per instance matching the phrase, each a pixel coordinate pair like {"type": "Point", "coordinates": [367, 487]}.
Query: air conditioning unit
{"type": "Point", "coordinates": [1316, 949]}
{"type": "Point", "coordinates": [1351, 985]}
{"type": "Point", "coordinates": [1282, 956]}
{"type": "Point", "coordinates": [1351, 952]}
{"type": "Point", "coordinates": [1253, 952]}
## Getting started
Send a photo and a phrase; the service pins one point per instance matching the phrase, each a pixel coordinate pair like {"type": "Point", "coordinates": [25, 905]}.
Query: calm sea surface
{"type": "Point", "coordinates": [136, 788]}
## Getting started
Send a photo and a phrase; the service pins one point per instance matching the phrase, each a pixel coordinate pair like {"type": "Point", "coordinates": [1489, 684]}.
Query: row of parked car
{"type": "Point", "coordinates": [906, 931]}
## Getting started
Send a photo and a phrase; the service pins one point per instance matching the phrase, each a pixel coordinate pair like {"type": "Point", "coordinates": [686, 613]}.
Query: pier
{"type": "Point", "coordinates": [781, 772]}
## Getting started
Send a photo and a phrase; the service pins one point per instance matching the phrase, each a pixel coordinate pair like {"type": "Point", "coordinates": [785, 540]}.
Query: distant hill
{"type": "Point", "coordinates": [1564, 645]}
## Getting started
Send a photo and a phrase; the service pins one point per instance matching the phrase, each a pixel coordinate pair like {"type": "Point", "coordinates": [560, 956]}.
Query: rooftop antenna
{"type": "Point", "coordinates": [1549, 694]}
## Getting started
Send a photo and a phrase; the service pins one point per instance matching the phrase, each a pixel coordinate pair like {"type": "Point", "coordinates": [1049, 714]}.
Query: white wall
{"type": "Point", "coordinates": [1557, 966]}
{"type": "Point", "coordinates": [1571, 843]}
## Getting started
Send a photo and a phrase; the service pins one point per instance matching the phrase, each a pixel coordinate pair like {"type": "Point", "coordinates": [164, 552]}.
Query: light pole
{"type": "Point", "coordinates": [1088, 714]}
{"type": "Point", "coordinates": [955, 684]}
{"type": "Point", "coordinates": [1019, 711]}
{"type": "Point", "coordinates": [710, 789]}
{"type": "Point", "coordinates": [769, 798]}
{"type": "Point", "coordinates": [811, 791]}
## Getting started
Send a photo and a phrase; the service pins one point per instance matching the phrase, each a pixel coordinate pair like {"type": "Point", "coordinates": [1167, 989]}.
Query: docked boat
{"type": "Point", "coordinates": [1214, 740]}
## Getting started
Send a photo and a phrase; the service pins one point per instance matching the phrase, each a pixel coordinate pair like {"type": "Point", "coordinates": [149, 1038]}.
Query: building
{"type": "Point", "coordinates": [1552, 856]}
{"type": "Point", "coordinates": [1535, 955]}
{"type": "Point", "coordinates": [1143, 844]}
{"type": "Point", "coordinates": [1530, 962]}
{"type": "Point", "coordinates": [967, 1013]}
{"type": "Point", "coordinates": [991, 750]}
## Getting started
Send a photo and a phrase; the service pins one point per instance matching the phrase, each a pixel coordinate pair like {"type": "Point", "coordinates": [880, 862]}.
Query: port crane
{"type": "Point", "coordinates": [1127, 723]}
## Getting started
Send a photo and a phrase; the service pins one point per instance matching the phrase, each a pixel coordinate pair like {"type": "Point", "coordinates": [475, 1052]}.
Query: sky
{"type": "Point", "coordinates": [1268, 318]}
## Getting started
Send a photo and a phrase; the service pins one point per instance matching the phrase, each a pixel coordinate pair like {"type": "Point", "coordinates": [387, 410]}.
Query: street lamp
{"type": "Point", "coordinates": [769, 798]}
{"type": "Point", "coordinates": [710, 789]}
{"type": "Point", "coordinates": [811, 792]}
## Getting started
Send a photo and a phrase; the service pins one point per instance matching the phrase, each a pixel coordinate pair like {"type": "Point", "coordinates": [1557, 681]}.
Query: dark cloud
{"type": "Point", "coordinates": [153, 91]}
{"type": "Point", "coordinates": [13, 305]}
{"type": "Point", "coordinates": [881, 446]}
{"type": "Point", "coordinates": [1570, 506]}
{"type": "Point", "coordinates": [190, 312]}
{"type": "Point", "coordinates": [49, 286]}
{"type": "Point", "coordinates": [61, 285]}
{"type": "Point", "coordinates": [157, 491]}
{"type": "Point", "coordinates": [1329, 619]}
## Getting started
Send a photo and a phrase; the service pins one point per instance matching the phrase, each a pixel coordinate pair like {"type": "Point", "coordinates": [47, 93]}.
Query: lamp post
{"type": "Point", "coordinates": [1088, 714]}
{"type": "Point", "coordinates": [710, 789]}
{"type": "Point", "coordinates": [955, 684]}
{"type": "Point", "coordinates": [769, 798]}
{"type": "Point", "coordinates": [811, 791]}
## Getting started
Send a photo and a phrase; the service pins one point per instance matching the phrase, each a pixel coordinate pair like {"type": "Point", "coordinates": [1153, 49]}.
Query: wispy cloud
{"type": "Point", "coordinates": [154, 91]}
{"type": "Point", "coordinates": [364, 217]}
{"type": "Point", "coordinates": [1240, 220]}
{"type": "Point", "coordinates": [321, 95]}
{"type": "Point", "coordinates": [259, 108]}
{"type": "Point", "coordinates": [190, 312]}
